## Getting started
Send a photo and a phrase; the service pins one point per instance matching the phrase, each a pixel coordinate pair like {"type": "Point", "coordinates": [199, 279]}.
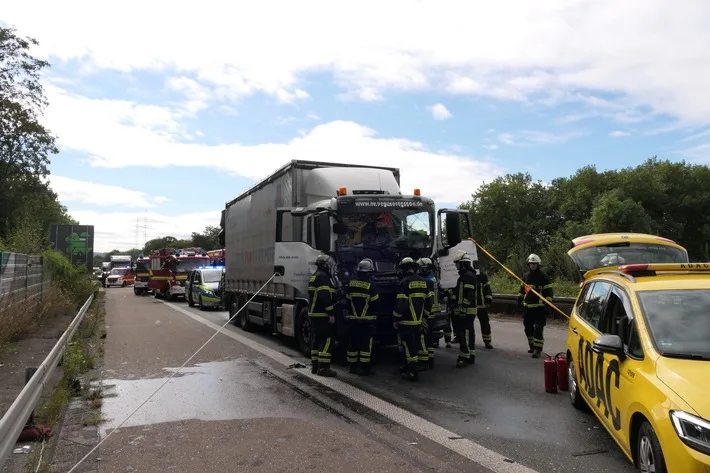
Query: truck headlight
{"type": "Point", "coordinates": [692, 430]}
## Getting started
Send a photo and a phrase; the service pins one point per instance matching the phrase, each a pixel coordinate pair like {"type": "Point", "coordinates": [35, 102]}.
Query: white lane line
{"type": "Point", "coordinates": [467, 448]}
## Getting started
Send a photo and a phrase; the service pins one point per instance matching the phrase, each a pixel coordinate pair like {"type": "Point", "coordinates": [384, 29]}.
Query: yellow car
{"type": "Point", "coordinates": [638, 351]}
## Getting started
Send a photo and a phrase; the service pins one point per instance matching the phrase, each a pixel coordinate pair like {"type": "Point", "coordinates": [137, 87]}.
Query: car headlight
{"type": "Point", "coordinates": [692, 430]}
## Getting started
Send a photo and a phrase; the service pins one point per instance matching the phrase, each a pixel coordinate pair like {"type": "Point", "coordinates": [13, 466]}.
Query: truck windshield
{"type": "Point", "coordinates": [142, 266]}
{"type": "Point", "coordinates": [678, 321]}
{"type": "Point", "coordinates": [404, 228]}
{"type": "Point", "coordinates": [185, 265]}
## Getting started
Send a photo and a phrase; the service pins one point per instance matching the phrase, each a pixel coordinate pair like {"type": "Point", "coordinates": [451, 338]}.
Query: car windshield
{"type": "Point", "coordinates": [185, 265]}
{"type": "Point", "coordinates": [627, 253]}
{"type": "Point", "coordinates": [679, 321]}
{"type": "Point", "coordinates": [211, 275]}
{"type": "Point", "coordinates": [118, 271]}
{"type": "Point", "coordinates": [404, 228]}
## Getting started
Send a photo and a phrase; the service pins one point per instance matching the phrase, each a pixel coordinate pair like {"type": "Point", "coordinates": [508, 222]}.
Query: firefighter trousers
{"type": "Point", "coordinates": [467, 338]}
{"type": "Point", "coordinates": [447, 329]}
{"type": "Point", "coordinates": [534, 321]}
{"type": "Point", "coordinates": [484, 320]}
{"type": "Point", "coordinates": [410, 337]}
{"type": "Point", "coordinates": [455, 323]}
{"type": "Point", "coordinates": [322, 341]}
{"type": "Point", "coordinates": [361, 336]}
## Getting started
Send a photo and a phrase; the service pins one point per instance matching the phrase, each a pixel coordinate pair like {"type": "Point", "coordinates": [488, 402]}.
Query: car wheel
{"type": "Point", "coordinates": [575, 397]}
{"type": "Point", "coordinates": [650, 456]}
{"type": "Point", "coordinates": [123, 284]}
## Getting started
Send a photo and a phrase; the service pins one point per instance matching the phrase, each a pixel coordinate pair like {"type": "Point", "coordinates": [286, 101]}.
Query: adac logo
{"type": "Point", "coordinates": [78, 244]}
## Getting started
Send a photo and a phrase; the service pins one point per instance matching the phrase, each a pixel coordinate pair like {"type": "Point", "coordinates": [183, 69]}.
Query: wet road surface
{"type": "Point", "coordinates": [231, 408]}
{"type": "Point", "coordinates": [499, 403]}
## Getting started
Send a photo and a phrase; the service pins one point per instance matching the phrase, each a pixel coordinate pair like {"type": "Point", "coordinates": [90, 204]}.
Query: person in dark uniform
{"type": "Point", "coordinates": [466, 302]}
{"type": "Point", "coordinates": [411, 311]}
{"type": "Point", "coordinates": [427, 270]}
{"type": "Point", "coordinates": [321, 312]}
{"type": "Point", "coordinates": [485, 298]}
{"type": "Point", "coordinates": [452, 318]}
{"type": "Point", "coordinates": [362, 297]}
{"type": "Point", "coordinates": [535, 312]}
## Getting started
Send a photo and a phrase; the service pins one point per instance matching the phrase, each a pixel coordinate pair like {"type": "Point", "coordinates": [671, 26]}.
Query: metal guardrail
{"type": "Point", "coordinates": [14, 420]}
{"type": "Point", "coordinates": [508, 304]}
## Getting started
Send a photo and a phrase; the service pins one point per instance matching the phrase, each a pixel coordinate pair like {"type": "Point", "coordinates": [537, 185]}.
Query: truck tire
{"type": "Point", "coordinates": [243, 316]}
{"type": "Point", "coordinates": [303, 332]}
{"type": "Point", "coordinates": [233, 308]}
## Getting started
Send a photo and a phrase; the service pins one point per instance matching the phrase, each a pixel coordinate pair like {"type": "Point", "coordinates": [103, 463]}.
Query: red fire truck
{"type": "Point", "coordinates": [169, 268]}
{"type": "Point", "coordinates": [216, 257]}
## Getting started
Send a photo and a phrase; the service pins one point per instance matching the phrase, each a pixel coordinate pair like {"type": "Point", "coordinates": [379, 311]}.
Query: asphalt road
{"type": "Point", "coordinates": [231, 408]}
{"type": "Point", "coordinates": [499, 403]}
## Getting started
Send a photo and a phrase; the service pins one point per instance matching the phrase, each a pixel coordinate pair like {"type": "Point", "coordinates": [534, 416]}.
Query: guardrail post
{"type": "Point", "coordinates": [29, 372]}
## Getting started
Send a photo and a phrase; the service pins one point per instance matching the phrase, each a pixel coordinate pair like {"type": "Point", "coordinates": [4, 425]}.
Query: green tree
{"type": "Point", "coordinates": [614, 212]}
{"type": "Point", "coordinates": [208, 239]}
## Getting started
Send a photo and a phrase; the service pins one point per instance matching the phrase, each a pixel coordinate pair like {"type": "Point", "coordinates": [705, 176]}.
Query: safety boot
{"type": "Point", "coordinates": [471, 360]}
{"type": "Point", "coordinates": [314, 366]}
{"type": "Point", "coordinates": [536, 353]}
{"type": "Point", "coordinates": [352, 369]}
{"type": "Point", "coordinates": [327, 372]}
{"type": "Point", "coordinates": [532, 349]}
{"type": "Point", "coordinates": [489, 345]}
{"type": "Point", "coordinates": [461, 363]}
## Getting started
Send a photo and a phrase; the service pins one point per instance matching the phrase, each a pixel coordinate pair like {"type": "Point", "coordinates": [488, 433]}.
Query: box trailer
{"type": "Point", "coordinates": [350, 212]}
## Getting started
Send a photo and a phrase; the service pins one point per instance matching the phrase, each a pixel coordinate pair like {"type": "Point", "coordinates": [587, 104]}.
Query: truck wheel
{"type": "Point", "coordinates": [123, 284]}
{"type": "Point", "coordinates": [303, 332]}
{"type": "Point", "coordinates": [244, 315]}
{"type": "Point", "coordinates": [136, 292]}
{"type": "Point", "coordinates": [233, 307]}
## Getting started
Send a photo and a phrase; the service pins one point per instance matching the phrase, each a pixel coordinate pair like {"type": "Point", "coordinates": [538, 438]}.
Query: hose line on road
{"type": "Point", "coordinates": [171, 376]}
{"type": "Point", "coordinates": [549, 303]}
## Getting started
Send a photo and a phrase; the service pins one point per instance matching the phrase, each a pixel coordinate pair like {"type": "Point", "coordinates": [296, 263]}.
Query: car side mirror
{"type": "Point", "coordinates": [611, 344]}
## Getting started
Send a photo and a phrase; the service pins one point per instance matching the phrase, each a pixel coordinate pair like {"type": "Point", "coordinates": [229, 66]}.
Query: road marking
{"type": "Point", "coordinates": [467, 448]}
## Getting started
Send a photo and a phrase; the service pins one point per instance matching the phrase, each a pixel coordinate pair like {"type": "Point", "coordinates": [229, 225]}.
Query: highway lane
{"type": "Point", "coordinates": [499, 403]}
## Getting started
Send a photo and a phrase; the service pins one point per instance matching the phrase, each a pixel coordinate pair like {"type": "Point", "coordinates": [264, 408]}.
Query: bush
{"type": "Point", "coordinates": [503, 283]}
{"type": "Point", "coordinates": [74, 281]}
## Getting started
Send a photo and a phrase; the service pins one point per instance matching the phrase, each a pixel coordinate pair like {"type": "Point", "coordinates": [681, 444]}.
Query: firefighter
{"type": "Point", "coordinates": [321, 312]}
{"type": "Point", "coordinates": [362, 297]}
{"type": "Point", "coordinates": [466, 302]}
{"type": "Point", "coordinates": [411, 311]}
{"type": "Point", "coordinates": [535, 312]}
{"type": "Point", "coordinates": [485, 298]}
{"type": "Point", "coordinates": [427, 271]}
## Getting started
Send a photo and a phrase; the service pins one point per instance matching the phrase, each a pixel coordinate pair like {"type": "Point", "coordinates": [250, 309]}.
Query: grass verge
{"type": "Point", "coordinates": [503, 283]}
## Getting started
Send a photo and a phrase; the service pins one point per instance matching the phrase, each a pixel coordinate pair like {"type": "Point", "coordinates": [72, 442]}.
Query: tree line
{"type": "Point", "coordinates": [514, 215]}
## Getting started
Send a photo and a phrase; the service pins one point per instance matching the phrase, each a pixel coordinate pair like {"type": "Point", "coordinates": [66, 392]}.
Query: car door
{"type": "Point", "coordinates": [618, 385]}
{"type": "Point", "coordinates": [586, 328]}
{"type": "Point", "coordinates": [195, 286]}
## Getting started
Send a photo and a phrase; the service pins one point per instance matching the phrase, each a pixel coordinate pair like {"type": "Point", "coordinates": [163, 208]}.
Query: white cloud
{"type": "Point", "coordinates": [117, 230]}
{"type": "Point", "coordinates": [100, 129]}
{"type": "Point", "coordinates": [491, 147]}
{"type": "Point", "coordinates": [619, 134]}
{"type": "Point", "coordinates": [439, 112]}
{"type": "Point", "coordinates": [532, 137]}
{"type": "Point", "coordinates": [73, 190]}
{"type": "Point", "coordinates": [531, 50]}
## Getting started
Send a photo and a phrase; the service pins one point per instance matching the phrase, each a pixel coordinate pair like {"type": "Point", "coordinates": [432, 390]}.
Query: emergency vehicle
{"type": "Point", "coordinates": [638, 349]}
{"type": "Point", "coordinates": [142, 271]}
{"type": "Point", "coordinates": [216, 257]}
{"type": "Point", "coordinates": [121, 276]}
{"type": "Point", "coordinates": [203, 287]}
{"type": "Point", "coordinates": [169, 268]}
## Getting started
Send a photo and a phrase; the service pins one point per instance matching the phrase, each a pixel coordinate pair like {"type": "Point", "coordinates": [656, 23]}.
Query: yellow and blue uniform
{"type": "Point", "coordinates": [362, 297]}
{"type": "Point", "coordinates": [535, 312]}
{"type": "Point", "coordinates": [466, 306]}
{"type": "Point", "coordinates": [412, 309]}
{"type": "Point", "coordinates": [321, 295]}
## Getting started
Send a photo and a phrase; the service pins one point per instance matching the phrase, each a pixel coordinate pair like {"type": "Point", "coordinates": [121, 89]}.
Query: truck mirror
{"type": "Point", "coordinates": [322, 232]}
{"type": "Point", "coordinates": [340, 228]}
{"type": "Point", "coordinates": [299, 212]}
{"type": "Point", "coordinates": [453, 229]}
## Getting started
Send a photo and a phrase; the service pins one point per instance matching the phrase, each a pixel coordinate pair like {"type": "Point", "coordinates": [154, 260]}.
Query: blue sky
{"type": "Point", "coordinates": [187, 109]}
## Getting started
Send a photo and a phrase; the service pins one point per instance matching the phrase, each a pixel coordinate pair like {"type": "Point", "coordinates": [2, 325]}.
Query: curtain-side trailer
{"type": "Point", "coordinates": [348, 211]}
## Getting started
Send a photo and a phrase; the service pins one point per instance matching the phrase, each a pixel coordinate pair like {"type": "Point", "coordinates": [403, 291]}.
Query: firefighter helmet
{"type": "Point", "coordinates": [322, 260]}
{"type": "Point", "coordinates": [426, 265]}
{"type": "Point", "coordinates": [533, 258]}
{"type": "Point", "coordinates": [408, 263]}
{"type": "Point", "coordinates": [365, 266]}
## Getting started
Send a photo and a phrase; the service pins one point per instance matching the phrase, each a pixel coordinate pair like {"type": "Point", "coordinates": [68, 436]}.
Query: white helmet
{"type": "Point", "coordinates": [462, 259]}
{"type": "Point", "coordinates": [365, 266]}
{"type": "Point", "coordinates": [322, 260]}
{"type": "Point", "coordinates": [533, 258]}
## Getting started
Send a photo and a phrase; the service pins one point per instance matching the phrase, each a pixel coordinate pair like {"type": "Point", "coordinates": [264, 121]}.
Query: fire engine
{"type": "Point", "coordinates": [142, 271]}
{"type": "Point", "coordinates": [169, 268]}
{"type": "Point", "coordinates": [216, 257]}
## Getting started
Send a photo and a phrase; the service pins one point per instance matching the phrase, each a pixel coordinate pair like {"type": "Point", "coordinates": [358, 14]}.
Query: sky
{"type": "Point", "coordinates": [166, 110]}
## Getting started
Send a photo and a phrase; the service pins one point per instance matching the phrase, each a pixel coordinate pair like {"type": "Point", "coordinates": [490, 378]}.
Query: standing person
{"type": "Point", "coordinates": [427, 270]}
{"type": "Point", "coordinates": [452, 318]}
{"type": "Point", "coordinates": [362, 296]}
{"type": "Point", "coordinates": [535, 312]}
{"type": "Point", "coordinates": [485, 298]}
{"type": "Point", "coordinates": [466, 308]}
{"type": "Point", "coordinates": [321, 312]}
{"type": "Point", "coordinates": [411, 310]}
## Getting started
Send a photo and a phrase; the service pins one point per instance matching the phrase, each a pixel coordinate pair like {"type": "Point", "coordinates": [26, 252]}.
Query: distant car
{"type": "Point", "coordinates": [203, 287]}
{"type": "Point", "coordinates": [638, 351]}
{"type": "Point", "coordinates": [119, 277]}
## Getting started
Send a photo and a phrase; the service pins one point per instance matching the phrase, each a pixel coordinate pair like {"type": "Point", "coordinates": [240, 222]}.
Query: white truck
{"type": "Point", "coordinates": [348, 211]}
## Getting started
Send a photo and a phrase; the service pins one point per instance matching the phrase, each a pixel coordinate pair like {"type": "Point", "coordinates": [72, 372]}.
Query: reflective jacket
{"type": "Point", "coordinates": [466, 300]}
{"type": "Point", "coordinates": [485, 293]}
{"type": "Point", "coordinates": [321, 290]}
{"type": "Point", "coordinates": [539, 281]}
{"type": "Point", "coordinates": [362, 295]}
{"type": "Point", "coordinates": [414, 301]}
{"type": "Point", "coordinates": [448, 297]}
